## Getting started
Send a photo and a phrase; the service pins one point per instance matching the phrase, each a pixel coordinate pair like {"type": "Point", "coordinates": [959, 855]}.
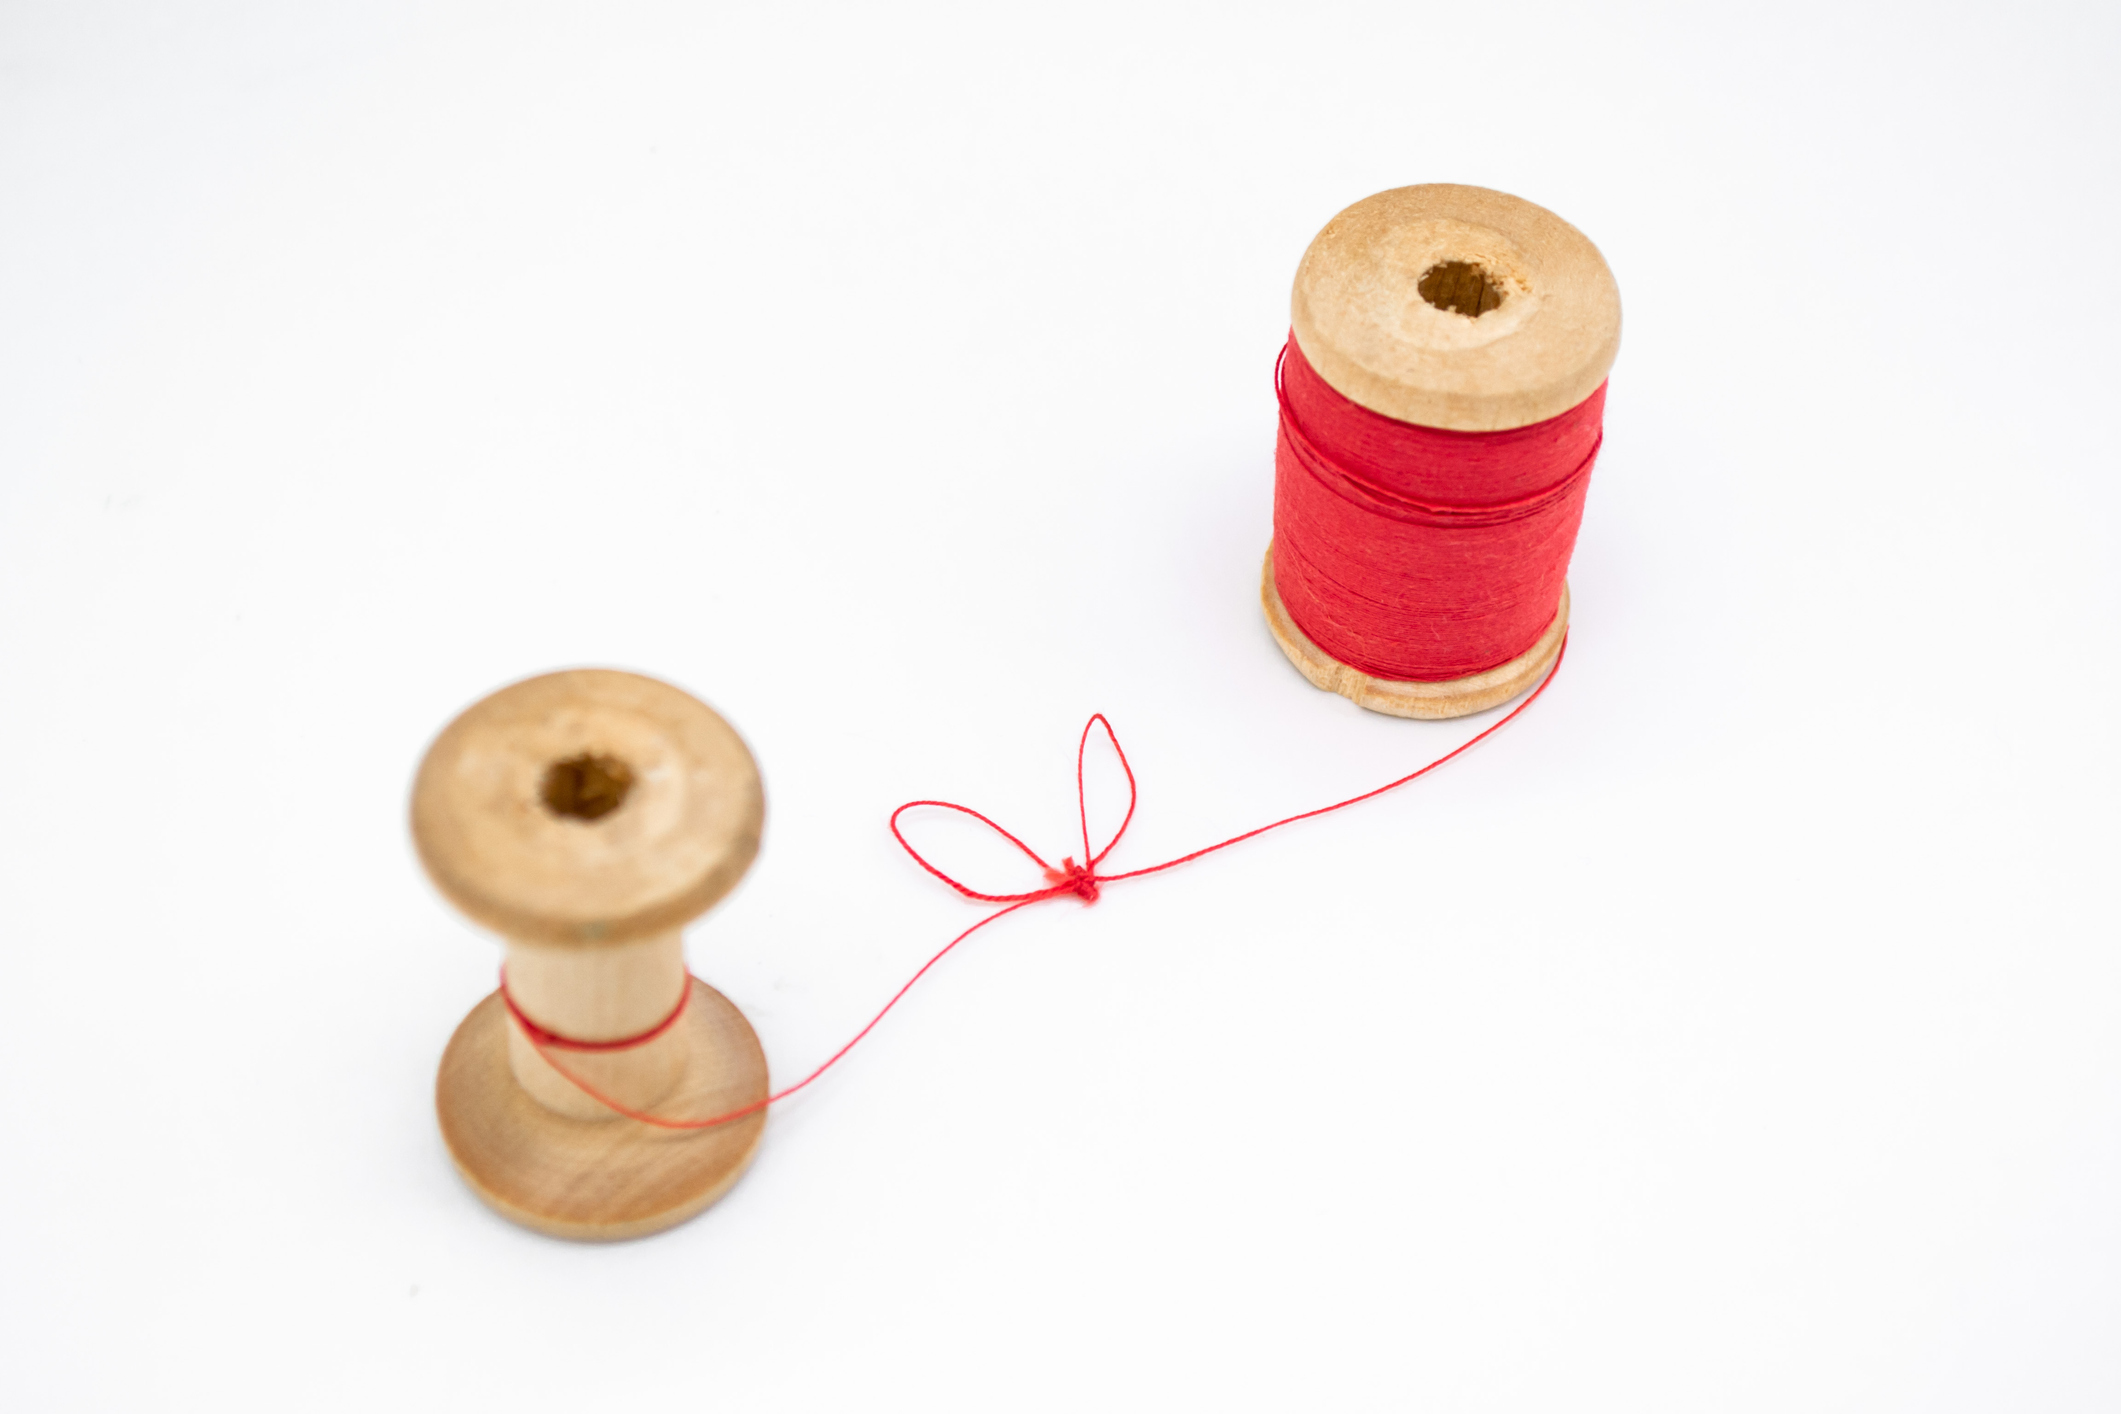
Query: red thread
{"type": "Point", "coordinates": [542, 1038]}
{"type": "Point", "coordinates": [1082, 880]}
{"type": "Point", "coordinates": [1415, 553]}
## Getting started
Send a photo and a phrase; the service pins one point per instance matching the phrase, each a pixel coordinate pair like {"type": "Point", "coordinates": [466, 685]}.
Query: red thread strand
{"type": "Point", "coordinates": [1082, 880]}
{"type": "Point", "coordinates": [542, 1038]}
{"type": "Point", "coordinates": [1415, 553]}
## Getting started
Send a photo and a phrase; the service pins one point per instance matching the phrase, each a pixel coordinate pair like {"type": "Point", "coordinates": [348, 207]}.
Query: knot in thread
{"type": "Point", "coordinates": [1078, 879]}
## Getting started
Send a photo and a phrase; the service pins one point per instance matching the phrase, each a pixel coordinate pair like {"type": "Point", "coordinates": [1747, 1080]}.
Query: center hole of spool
{"type": "Point", "coordinates": [586, 787]}
{"type": "Point", "coordinates": [1461, 287]}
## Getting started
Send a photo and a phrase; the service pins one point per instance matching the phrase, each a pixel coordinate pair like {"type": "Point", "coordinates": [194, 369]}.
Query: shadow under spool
{"type": "Point", "coordinates": [1459, 309]}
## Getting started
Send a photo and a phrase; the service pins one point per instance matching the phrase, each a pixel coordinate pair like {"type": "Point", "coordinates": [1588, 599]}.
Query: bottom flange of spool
{"type": "Point", "coordinates": [1453, 697]}
{"type": "Point", "coordinates": [601, 1179]}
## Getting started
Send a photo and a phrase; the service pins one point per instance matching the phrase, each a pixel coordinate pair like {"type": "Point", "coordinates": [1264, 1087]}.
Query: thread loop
{"type": "Point", "coordinates": [544, 1038]}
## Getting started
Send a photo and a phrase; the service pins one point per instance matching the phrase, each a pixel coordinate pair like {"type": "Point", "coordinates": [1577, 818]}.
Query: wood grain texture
{"type": "Point", "coordinates": [599, 994]}
{"type": "Point", "coordinates": [1537, 334]}
{"type": "Point", "coordinates": [587, 816]}
{"type": "Point", "coordinates": [601, 1179]}
{"type": "Point", "coordinates": [686, 833]}
{"type": "Point", "coordinates": [1454, 697]}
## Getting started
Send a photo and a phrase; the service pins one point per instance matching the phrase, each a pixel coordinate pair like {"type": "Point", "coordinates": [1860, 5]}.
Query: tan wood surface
{"type": "Point", "coordinates": [1454, 697]}
{"type": "Point", "coordinates": [598, 994]}
{"type": "Point", "coordinates": [1456, 307]}
{"type": "Point", "coordinates": [601, 1179]}
{"type": "Point", "coordinates": [686, 832]}
{"type": "Point", "coordinates": [587, 816]}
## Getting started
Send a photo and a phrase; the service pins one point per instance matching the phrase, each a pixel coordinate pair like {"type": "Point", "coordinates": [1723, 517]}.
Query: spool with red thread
{"type": "Point", "coordinates": [586, 817]}
{"type": "Point", "coordinates": [1443, 395]}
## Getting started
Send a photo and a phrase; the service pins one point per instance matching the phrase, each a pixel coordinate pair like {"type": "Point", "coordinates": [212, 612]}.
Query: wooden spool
{"type": "Point", "coordinates": [586, 817]}
{"type": "Point", "coordinates": [1458, 308]}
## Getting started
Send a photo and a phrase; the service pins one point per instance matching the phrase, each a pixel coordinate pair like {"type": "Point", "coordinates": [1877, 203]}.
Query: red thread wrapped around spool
{"type": "Point", "coordinates": [1442, 403]}
{"type": "Point", "coordinates": [1418, 554]}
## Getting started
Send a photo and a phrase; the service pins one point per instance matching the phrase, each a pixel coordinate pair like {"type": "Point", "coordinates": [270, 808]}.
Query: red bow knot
{"type": "Point", "coordinates": [1080, 881]}
{"type": "Point", "coordinates": [1070, 878]}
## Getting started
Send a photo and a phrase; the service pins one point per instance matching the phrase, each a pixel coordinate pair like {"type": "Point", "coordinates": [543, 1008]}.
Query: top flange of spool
{"type": "Point", "coordinates": [1456, 307]}
{"type": "Point", "coordinates": [587, 807]}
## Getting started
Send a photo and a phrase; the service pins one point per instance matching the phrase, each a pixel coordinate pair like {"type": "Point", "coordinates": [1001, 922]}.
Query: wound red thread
{"type": "Point", "coordinates": [1418, 554]}
{"type": "Point", "coordinates": [1082, 880]}
{"type": "Point", "coordinates": [544, 1039]}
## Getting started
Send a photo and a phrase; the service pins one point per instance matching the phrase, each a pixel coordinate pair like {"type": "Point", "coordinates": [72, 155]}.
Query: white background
{"type": "Point", "coordinates": [1740, 1030]}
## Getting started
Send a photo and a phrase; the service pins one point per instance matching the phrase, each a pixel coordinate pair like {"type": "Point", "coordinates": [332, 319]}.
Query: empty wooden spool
{"type": "Point", "coordinates": [586, 817]}
{"type": "Point", "coordinates": [1459, 308]}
